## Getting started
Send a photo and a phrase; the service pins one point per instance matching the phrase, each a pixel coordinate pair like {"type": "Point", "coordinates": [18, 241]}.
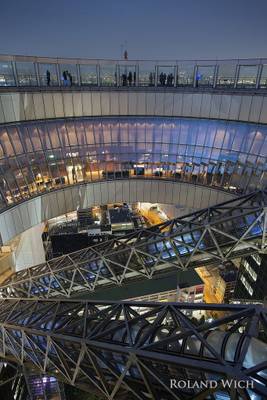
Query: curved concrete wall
{"type": "Point", "coordinates": [31, 105]}
{"type": "Point", "coordinates": [31, 212]}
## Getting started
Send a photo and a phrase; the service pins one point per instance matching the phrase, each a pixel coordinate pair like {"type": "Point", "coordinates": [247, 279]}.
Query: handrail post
{"type": "Point", "coordinates": [236, 74]}
{"type": "Point", "coordinates": [15, 73]}
{"type": "Point", "coordinates": [215, 76]}
{"type": "Point", "coordinates": [259, 72]}
{"type": "Point", "coordinates": [58, 74]}
{"type": "Point", "coordinates": [36, 69]}
{"type": "Point", "coordinates": [78, 74]}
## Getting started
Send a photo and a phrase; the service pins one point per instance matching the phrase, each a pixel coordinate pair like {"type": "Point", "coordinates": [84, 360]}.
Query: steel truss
{"type": "Point", "coordinates": [12, 381]}
{"type": "Point", "coordinates": [212, 235]}
{"type": "Point", "coordinates": [133, 350]}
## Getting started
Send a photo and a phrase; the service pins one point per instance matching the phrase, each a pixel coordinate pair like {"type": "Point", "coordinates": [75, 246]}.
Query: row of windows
{"type": "Point", "coordinates": [228, 74]}
{"type": "Point", "coordinates": [30, 165]}
{"type": "Point", "coordinates": [20, 181]}
{"type": "Point", "coordinates": [184, 136]}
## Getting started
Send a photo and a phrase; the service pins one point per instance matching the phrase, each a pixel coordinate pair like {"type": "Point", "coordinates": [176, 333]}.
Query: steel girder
{"type": "Point", "coordinates": [133, 350]}
{"type": "Point", "coordinates": [212, 235]}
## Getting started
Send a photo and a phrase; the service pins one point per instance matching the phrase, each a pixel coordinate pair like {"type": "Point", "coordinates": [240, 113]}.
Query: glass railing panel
{"type": "Point", "coordinates": [263, 77]}
{"type": "Point", "coordinates": [205, 75]}
{"type": "Point", "coordinates": [6, 74]}
{"type": "Point", "coordinates": [68, 74]}
{"type": "Point", "coordinates": [48, 74]}
{"type": "Point", "coordinates": [26, 73]}
{"type": "Point", "coordinates": [88, 74]}
{"type": "Point", "coordinates": [127, 74]}
{"type": "Point", "coordinates": [247, 76]}
{"type": "Point", "coordinates": [185, 74]}
{"type": "Point", "coordinates": [108, 75]}
{"type": "Point", "coordinates": [226, 75]}
{"type": "Point", "coordinates": [147, 74]}
{"type": "Point", "coordinates": [165, 75]}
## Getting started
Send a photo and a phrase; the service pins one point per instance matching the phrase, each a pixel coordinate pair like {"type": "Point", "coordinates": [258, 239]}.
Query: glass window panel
{"type": "Point", "coordinates": [25, 139]}
{"type": "Point", "coordinates": [6, 144]}
{"type": "Point", "coordinates": [248, 138]}
{"type": "Point", "coordinates": [123, 132]}
{"type": "Point", "coordinates": [147, 74]}
{"type": "Point", "coordinates": [127, 75]}
{"type": "Point", "coordinates": [35, 139]}
{"type": "Point", "coordinates": [239, 136]}
{"type": "Point", "coordinates": [63, 134]}
{"type": "Point", "coordinates": [26, 74]}
{"type": "Point", "coordinates": [108, 75]}
{"type": "Point", "coordinates": [257, 143]}
{"type": "Point", "coordinates": [165, 75]}
{"type": "Point", "coordinates": [48, 74]}
{"type": "Point", "coordinates": [205, 75]}
{"type": "Point", "coordinates": [6, 74]}
{"type": "Point", "coordinates": [157, 133]}
{"type": "Point", "coordinates": [68, 74]}
{"type": "Point", "coordinates": [72, 134]}
{"type": "Point", "coordinates": [226, 75]}
{"type": "Point", "coordinates": [44, 136]}
{"type": "Point", "coordinates": [88, 74]}
{"type": "Point", "coordinates": [98, 134]}
{"type": "Point", "coordinates": [263, 78]}
{"type": "Point", "coordinates": [185, 75]}
{"type": "Point", "coordinates": [247, 76]}
{"type": "Point", "coordinates": [80, 132]}
{"type": "Point", "coordinates": [88, 126]}
{"type": "Point", "coordinates": [211, 131]}
{"type": "Point", "coordinates": [115, 132]}
{"type": "Point", "coordinates": [201, 134]}
{"type": "Point", "coordinates": [14, 136]}
{"type": "Point", "coordinates": [53, 135]}
{"type": "Point", "coordinates": [219, 138]}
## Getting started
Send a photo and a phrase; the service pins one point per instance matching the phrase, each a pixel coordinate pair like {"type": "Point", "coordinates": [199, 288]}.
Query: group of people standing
{"type": "Point", "coordinates": [166, 80]}
{"type": "Point", "coordinates": [66, 78]}
{"type": "Point", "coordinates": [129, 80]}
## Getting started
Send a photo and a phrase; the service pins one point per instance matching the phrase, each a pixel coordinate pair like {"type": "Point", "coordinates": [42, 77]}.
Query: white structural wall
{"type": "Point", "coordinates": [30, 250]}
{"type": "Point", "coordinates": [36, 210]}
{"type": "Point", "coordinates": [32, 105]}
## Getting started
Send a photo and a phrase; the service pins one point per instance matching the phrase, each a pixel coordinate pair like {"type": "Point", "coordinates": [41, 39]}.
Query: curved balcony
{"type": "Point", "coordinates": [27, 71]}
{"type": "Point", "coordinates": [38, 157]}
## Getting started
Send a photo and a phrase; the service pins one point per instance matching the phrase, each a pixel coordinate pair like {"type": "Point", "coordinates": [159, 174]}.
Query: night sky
{"type": "Point", "coordinates": [151, 29]}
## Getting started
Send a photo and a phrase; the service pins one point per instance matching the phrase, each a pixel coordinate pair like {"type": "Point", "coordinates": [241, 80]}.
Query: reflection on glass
{"type": "Point", "coordinates": [185, 75]}
{"type": "Point", "coordinates": [26, 74]}
{"type": "Point", "coordinates": [48, 74]}
{"type": "Point", "coordinates": [165, 76]}
{"type": "Point", "coordinates": [263, 79]}
{"type": "Point", "coordinates": [108, 75]}
{"type": "Point", "coordinates": [45, 155]}
{"type": "Point", "coordinates": [226, 75]}
{"type": "Point", "coordinates": [88, 75]}
{"type": "Point", "coordinates": [147, 74]}
{"type": "Point", "coordinates": [205, 75]}
{"type": "Point", "coordinates": [247, 76]}
{"type": "Point", "coordinates": [6, 74]}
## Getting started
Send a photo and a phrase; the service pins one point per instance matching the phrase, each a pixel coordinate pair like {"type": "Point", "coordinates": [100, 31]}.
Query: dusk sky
{"type": "Point", "coordinates": [152, 29]}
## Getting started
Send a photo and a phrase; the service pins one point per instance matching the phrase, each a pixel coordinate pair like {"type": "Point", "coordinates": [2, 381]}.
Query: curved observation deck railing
{"type": "Point", "coordinates": [28, 71]}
